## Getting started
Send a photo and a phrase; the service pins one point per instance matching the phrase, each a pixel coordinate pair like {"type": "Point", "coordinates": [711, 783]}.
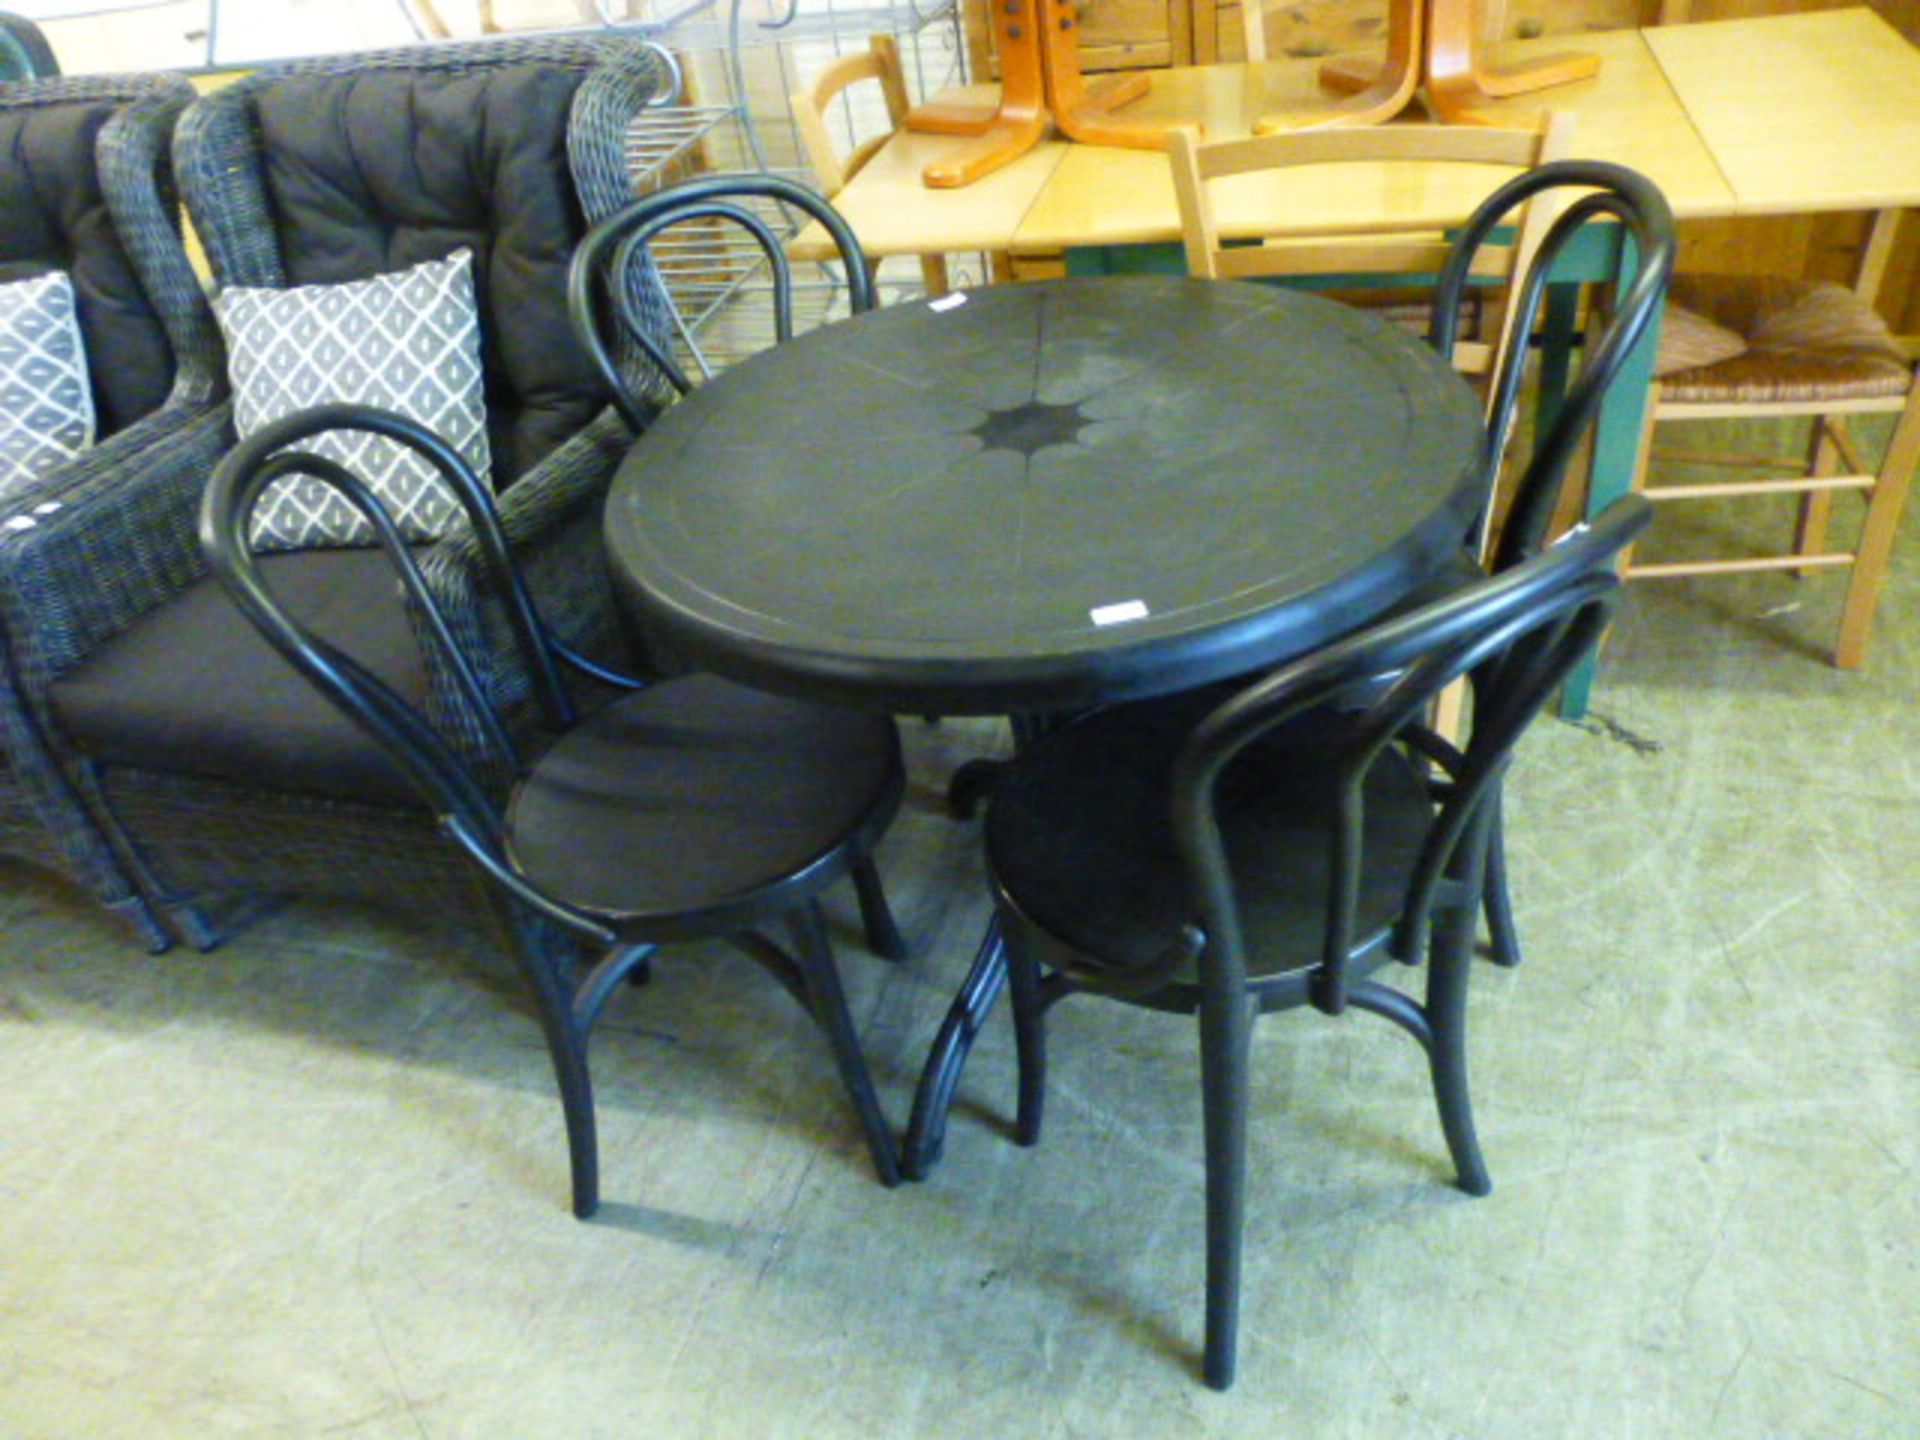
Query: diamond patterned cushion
{"type": "Point", "coordinates": [408, 342]}
{"type": "Point", "coordinates": [46, 404]}
{"type": "Point", "coordinates": [369, 171]}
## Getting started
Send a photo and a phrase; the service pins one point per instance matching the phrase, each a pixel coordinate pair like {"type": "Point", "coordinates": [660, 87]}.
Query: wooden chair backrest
{"type": "Point", "coordinates": [1374, 252]}
{"type": "Point", "coordinates": [880, 61]}
{"type": "Point", "coordinates": [1253, 21]}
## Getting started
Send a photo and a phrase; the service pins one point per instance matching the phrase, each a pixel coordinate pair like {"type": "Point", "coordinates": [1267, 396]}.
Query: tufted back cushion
{"type": "Point", "coordinates": [54, 217]}
{"type": "Point", "coordinates": [372, 171]}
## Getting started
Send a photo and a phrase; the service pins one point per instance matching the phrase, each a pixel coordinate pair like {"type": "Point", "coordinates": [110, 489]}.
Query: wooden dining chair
{"type": "Point", "coordinates": [1802, 353]}
{"type": "Point", "coordinates": [1384, 267]}
{"type": "Point", "coordinates": [880, 62]}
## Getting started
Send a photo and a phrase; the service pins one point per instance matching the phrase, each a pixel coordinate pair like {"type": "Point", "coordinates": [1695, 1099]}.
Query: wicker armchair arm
{"type": "Point", "coordinates": [136, 177]}
{"type": "Point", "coordinates": [111, 538]}
{"type": "Point", "coordinates": [551, 517]}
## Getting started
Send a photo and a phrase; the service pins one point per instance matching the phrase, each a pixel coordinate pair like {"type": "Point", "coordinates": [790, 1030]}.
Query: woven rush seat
{"type": "Point", "coordinates": [1804, 340]}
{"type": "Point", "coordinates": [1816, 357]}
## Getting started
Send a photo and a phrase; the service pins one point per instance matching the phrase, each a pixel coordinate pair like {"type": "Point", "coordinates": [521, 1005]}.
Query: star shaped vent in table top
{"type": "Point", "coordinates": [1025, 429]}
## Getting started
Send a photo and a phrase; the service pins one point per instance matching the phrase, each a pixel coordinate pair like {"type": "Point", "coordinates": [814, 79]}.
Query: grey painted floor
{"type": "Point", "coordinates": [313, 1184]}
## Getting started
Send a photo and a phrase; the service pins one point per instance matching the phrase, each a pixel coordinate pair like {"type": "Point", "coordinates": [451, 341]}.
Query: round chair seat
{"type": "Point", "coordinates": [696, 795]}
{"type": "Point", "coordinates": [1080, 842]}
{"type": "Point", "coordinates": [1805, 341]}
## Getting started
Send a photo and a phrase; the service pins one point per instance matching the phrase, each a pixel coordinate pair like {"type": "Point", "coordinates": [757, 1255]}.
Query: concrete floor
{"type": "Point", "coordinates": [313, 1184]}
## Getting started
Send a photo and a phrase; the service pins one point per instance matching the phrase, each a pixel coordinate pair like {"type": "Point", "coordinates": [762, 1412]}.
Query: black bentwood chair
{"type": "Point", "coordinates": [1609, 192]}
{"type": "Point", "coordinates": [1278, 848]}
{"type": "Point", "coordinates": [687, 808]}
{"type": "Point", "coordinates": [612, 290]}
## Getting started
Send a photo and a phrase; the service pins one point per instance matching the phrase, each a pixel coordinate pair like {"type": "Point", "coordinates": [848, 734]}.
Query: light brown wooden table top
{"type": "Point", "coordinates": [1796, 113]}
{"type": "Point", "coordinates": [1101, 196]}
{"type": "Point", "coordinates": [1817, 111]}
{"type": "Point", "coordinates": [893, 213]}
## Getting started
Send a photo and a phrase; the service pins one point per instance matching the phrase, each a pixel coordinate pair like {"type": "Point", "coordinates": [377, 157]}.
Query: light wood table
{"type": "Point", "coordinates": [1802, 113]}
{"type": "Point", "coordinates": [1099, 196]}
{"type": "Point", "coordinates": [1063, 197]}
{"type": "Point", "coordinates": [894, 213]}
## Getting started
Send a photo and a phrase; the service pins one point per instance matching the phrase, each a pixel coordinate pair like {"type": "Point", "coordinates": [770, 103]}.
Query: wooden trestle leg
{"type": "Point", "coordinates": [1040, 85]}
{"type": "Point", "coordinates": [1446, 59]}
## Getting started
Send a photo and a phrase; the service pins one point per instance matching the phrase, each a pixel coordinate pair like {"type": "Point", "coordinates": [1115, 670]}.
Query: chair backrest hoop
{"type": "Point", "coordinates": [1386, 251]}
{"type": "Point", "coordinates": [603, 273]}
{"type": "Point", "coordinates": [24, 51]}
{"type": "Point", "coordinates": [1607, 191]}
{"type": "Point", "coordinates": [1517, 634]}
{"type": "Point", "coordinates": [879, 61]}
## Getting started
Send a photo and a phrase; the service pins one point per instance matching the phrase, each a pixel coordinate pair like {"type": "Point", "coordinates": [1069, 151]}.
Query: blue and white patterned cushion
{"type": "Point", "coordinates": [46, 401]}
{"type": "Point", "coordinates": [407, 342]}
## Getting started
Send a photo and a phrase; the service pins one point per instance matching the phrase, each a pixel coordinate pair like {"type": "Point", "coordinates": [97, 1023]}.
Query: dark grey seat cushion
{"type": "Point", "coordinates": [371, 172]}
{"type": "Point", "coordinates": [193, 688]}
{"type": "Point", "coordinates": [53, 216]}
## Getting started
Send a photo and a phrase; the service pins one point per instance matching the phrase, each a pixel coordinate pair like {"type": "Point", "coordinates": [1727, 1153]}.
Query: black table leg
{"type": "Point", "coordinates": [927, 1130]}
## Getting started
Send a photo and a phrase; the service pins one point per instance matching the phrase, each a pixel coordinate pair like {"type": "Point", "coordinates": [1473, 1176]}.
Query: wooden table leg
{"type": "Point", "coordinates": [1457, 81]}
{"type": "Point", "coordinates": [1380, 91]}
{"type": "Point", "coordinates": [1040, 83]}
{"type": "Point", "coordinates": [1082, 111]}
{"type": "Point", "coordinates": [1436, 43]}
{"type": "Point", "coordinates": [1617, 435]}
{"type": "Point", "coordinates": [1012, 128]}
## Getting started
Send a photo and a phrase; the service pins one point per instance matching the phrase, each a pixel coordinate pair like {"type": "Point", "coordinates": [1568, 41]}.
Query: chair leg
{"type": "Point", "coordinates": [155, 935]}
{"type": "Point", "coordinates": [567, 1048]}
{"type": "Point", "coordinates": [1816, 506]}
{"type": "Point", "coordinates": [876, 916]}
{"type": "Point", "coordinates": [1030, 1042]}
{"type": "Point", "coordinates": [933, 275]}
{"type": "Point", "coordinates": [1888, 496]}
{"type": "Point", "coordinates": [120, 878]}
{"type": "Point", "coordinates": [1642, 460]}
{"type": "Point", "coordinates": [1496, 900]}
{"type": "Point", "coordinates": [1448, 968]}
{"type": "Point", "coordinates": [815, 954]}
{"type": "Point", "coordinates": [1225, 1032]}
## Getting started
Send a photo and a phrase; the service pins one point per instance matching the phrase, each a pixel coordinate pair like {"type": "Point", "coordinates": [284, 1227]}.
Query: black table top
{"type": "Point", "coordinates": [1046, 495]}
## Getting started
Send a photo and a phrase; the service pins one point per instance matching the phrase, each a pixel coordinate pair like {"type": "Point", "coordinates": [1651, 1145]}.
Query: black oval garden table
{"type": "Point", "coordinates": [1034, 498]}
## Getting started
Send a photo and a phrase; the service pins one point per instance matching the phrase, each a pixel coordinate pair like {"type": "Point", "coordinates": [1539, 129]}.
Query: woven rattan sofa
{"type": "Point", "coordinates": [225, 774]}
{"type": "Point", "coordinates": [87, 189]}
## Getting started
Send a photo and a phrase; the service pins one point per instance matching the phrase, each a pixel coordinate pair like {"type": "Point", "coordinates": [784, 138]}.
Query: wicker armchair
{"type": "Point", "coordinates": [89, 190]}
{"type": "Point", "coordinates": [222, 771]}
